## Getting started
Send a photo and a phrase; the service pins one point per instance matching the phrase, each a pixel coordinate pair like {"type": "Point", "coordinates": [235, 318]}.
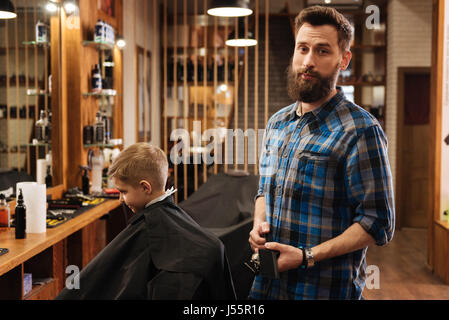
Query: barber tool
{"type": "Point", "coordinates": [55, 218]}
{"type": "Point", "coordinates": [64, 204]}
{"type": "Point", "coordinates": [265, 263]}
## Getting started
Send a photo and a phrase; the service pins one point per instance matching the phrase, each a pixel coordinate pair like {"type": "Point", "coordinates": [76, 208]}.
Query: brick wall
{"type": "Point", "coordinates": [409, 43]}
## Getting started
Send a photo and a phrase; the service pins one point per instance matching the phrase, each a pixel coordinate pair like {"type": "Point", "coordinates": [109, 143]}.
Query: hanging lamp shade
{"type": "Point", "coordinates": [230, 8]}
{"type": "Point", "coordinates": [7, 10]}
{"type": "Point", "coordinates": [240, 40]}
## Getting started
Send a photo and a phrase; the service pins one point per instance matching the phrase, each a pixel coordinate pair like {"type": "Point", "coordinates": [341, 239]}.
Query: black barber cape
{"type": "Point", "coordinates": [161, 254]}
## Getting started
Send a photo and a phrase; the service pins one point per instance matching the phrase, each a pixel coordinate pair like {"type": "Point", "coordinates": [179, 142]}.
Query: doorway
{"type": "Point", "coordinates": [413, 148]}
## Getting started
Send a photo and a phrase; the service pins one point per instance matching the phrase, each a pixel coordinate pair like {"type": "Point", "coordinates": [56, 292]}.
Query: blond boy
{"type": "Point", "coordinates": [162, 253]}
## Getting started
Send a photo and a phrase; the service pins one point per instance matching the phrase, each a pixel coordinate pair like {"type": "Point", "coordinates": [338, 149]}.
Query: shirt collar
{"type": "Point", "coordinates": [322, 111]}
{"type": "Point", "coordinates": [162, 197]}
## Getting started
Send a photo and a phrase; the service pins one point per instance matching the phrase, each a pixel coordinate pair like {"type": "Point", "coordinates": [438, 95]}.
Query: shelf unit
{"type": "Point", "coordinates": [365, 78]}
{"type": "Point", "coordinates": [83, 104]}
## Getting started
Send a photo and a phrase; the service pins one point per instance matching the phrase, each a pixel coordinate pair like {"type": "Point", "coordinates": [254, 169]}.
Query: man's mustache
{"type": "Point", "coordinates": [307, 71]}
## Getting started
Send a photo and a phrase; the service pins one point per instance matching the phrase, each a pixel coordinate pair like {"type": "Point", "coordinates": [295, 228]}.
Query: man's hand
{"type": "Point", "coordinates": [289, 258]}
{"type": "Point", "coordinates": [256, 236]}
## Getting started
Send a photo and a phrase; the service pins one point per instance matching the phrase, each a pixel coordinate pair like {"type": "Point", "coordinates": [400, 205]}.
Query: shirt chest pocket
{"type": "Point", "coordinates": [317, 172]}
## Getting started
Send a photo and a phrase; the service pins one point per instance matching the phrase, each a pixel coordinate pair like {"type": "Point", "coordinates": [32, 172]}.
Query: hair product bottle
{"type": "Point", "coordinates": [41, 32]}
{"type": "Point", "coordinates": [20, 217]}
{"type": "Point", "coordinates": [96, 79]}
{"type": "Point", "coordinates": [99, 129]}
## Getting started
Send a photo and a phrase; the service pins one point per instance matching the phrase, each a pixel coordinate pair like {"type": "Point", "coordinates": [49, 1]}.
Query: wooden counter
{"type": "Point", "coordinates": [47, 255]}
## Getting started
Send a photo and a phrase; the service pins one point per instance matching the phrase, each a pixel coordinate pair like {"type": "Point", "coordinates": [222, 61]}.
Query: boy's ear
{"type": "Point", "coordinates": [146, 186]}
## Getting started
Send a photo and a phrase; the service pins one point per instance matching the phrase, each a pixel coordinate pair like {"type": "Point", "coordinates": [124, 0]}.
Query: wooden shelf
{"type": "Point", "coordinates": [102, 145]}
{"type": "Point", "coordinates": [111, 93]}
{"type": "Point", "coordinates": [31, 93]}
{"type": "Point", "coordinates": [34, 43]}
{"type": "Point", "coordinates": [98, 45]}
{"type": "Point", "coordinates": [45, 291]}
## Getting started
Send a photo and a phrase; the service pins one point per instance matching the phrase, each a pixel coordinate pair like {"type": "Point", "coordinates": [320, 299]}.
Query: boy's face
{"type": "Point", "coordinates": [134, 197]}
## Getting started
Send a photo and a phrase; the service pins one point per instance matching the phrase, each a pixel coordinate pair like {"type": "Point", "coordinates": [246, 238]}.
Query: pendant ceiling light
{"type": "Point", "coordinates": [240, 40]}
{"type": "Point", "coordinates": [7, 10]}
{"type": "Point", "coordinates": [230, 8]}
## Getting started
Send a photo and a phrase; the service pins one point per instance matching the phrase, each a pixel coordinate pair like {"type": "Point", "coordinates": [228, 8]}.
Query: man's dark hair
{"type": "Point", "coordinates": [319, 16]}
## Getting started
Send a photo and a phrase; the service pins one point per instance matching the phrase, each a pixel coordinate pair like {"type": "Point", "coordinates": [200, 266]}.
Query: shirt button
{"type": "Point", "coordinates": [275, 216]}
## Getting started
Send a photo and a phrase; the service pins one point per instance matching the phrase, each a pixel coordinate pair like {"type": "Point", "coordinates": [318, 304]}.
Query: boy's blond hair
{"type": "Point", "coordinates": [141, 161]}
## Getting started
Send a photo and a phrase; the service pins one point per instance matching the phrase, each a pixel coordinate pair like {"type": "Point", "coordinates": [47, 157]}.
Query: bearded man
{"type": "Point", "coordinates": [325, 191]}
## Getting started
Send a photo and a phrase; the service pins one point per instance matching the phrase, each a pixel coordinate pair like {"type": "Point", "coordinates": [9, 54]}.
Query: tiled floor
{"type": "Point", "coordinates": [403, 271]}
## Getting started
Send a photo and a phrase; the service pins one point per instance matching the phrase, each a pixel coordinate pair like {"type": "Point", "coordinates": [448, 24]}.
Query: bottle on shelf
{"type": "Point", "coordinates": [5, 212]}
{"type": "Point", "coordinates": [48, 128]}
{"type": "Point", "coordinates": [88, 135]}
{"type": "Point", "coordinates": [108, 82]}
{"type": "Point", "coordinates": [190, 71]}
{"type": "Point", "coordinates": [180, 71]}
{"type": "Point", "coordinates": [41, 32]}
{"type": "Point", "coordinates": [99, 31]}
{"type": "Point", "coordinates": [107, 128]}
{"type": "Point", "coordinates": [41, 128]}
{"type": "Point", "coordinates": [20, 217]}
{"type": "Point", "coordinates": [97, 172]}
{"type": "Point", "coordinates": [85, 180]}
{"type": "Point", "coordinates": [99, 129]}
{"type": "Point", "coordinates": [49, 178]}
{"type": "Point", "coordinates": [96, 79]}
{"type": "Point", "coordinates": [200, 72]}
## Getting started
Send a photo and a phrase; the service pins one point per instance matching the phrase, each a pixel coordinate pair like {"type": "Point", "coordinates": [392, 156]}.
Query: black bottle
{"type": "Point", "coordinates": [49, 178]}
{"type": "Point", "coordinates": [85, 180]}
{"type": "Point", "coordinates": [20, 217]}
{"type": "Point", "coordinates": [99, 129]}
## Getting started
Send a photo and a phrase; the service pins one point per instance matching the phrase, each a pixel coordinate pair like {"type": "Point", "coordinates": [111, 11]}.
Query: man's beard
{"type": "Point", "coordinates": [311, 90]}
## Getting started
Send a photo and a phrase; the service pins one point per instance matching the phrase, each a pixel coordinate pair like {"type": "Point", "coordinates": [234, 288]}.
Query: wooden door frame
{"type": "Point", "coordinates": [402, 71]}
{"type": "Point", "coordinates": [436, 94]}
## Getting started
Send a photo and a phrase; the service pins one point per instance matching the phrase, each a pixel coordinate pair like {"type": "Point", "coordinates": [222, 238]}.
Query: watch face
{"type": "Point", "coordinates": [310, 260]}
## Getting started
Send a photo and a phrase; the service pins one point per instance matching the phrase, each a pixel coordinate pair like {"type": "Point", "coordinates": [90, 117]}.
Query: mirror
{"type": "Point", "coordinates": [28, 48]}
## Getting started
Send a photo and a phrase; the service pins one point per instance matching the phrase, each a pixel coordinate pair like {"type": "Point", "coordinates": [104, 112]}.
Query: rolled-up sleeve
{"type": "Point", "coordinates": [369, 185]}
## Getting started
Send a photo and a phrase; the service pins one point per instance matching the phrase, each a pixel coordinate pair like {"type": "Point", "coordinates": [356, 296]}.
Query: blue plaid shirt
{"type": "Point", "coordinates": [321, 173]}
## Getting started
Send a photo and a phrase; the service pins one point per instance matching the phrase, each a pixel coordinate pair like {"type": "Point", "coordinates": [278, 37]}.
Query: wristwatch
{"type": "Point", "coordinates": [309, 257]}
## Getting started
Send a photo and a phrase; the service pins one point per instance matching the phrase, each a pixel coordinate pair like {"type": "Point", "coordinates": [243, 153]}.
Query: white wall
{"type": "Point", "coordinates": [134, 28]}
{"type": "Point", "coordinates": [409, 44]}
